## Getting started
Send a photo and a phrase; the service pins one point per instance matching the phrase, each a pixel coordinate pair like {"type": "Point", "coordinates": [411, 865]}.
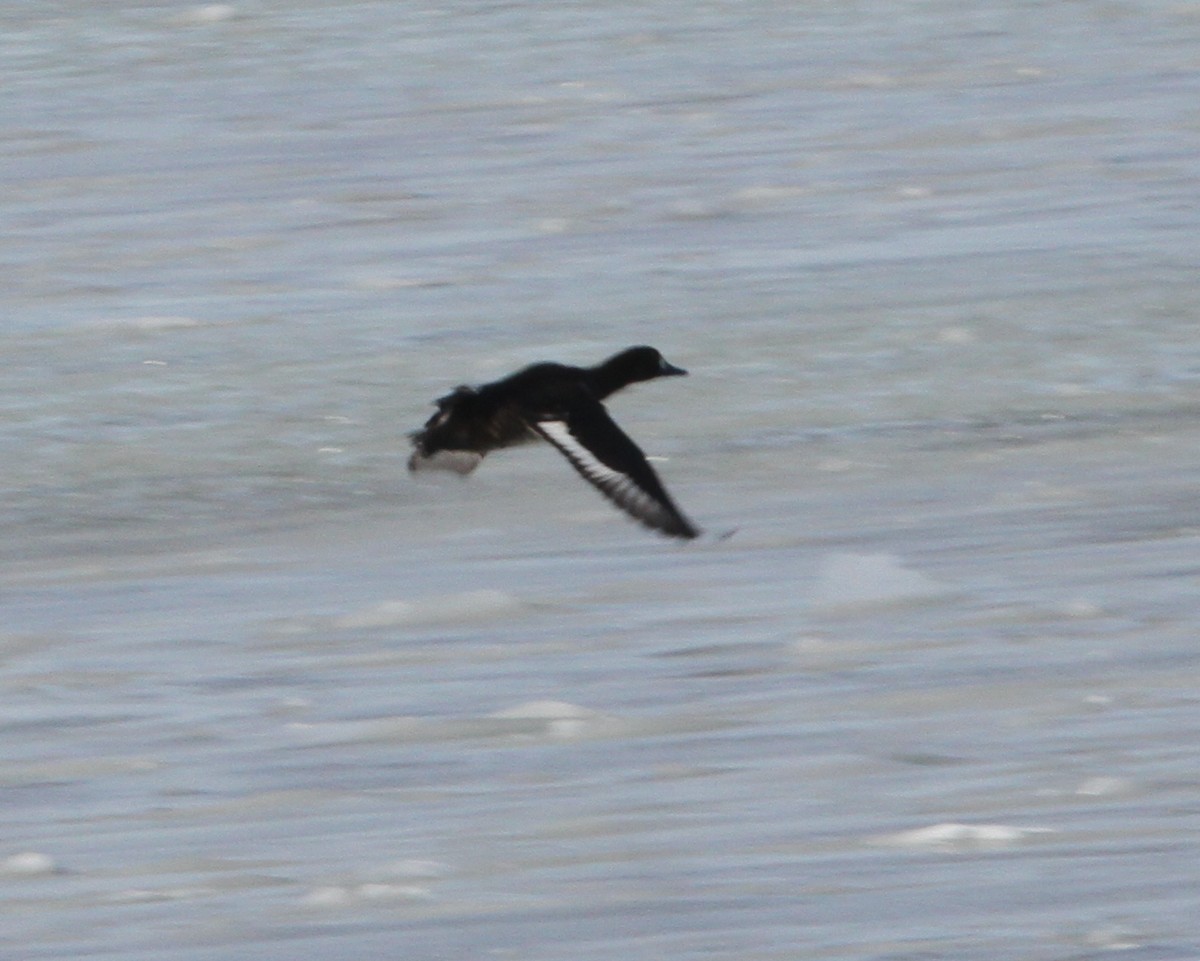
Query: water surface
{"type": "Point", "coordinates": [933, 270]}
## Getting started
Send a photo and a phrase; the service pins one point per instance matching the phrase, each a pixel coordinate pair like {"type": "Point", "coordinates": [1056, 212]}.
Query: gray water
{"type": "Point", "coordinates": [930, 687]}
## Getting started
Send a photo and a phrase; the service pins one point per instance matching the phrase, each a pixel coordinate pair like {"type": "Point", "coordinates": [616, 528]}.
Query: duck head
{"type": "Point", "coordinates": [642, 363]}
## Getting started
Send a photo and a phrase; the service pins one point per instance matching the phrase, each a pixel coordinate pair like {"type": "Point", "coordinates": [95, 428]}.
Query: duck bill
{"type": "Point", "coordinates": [670, 370]}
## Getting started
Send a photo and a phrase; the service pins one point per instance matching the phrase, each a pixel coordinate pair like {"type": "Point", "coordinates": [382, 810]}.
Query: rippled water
{"type": "Point", "coordinates": [933, 270]}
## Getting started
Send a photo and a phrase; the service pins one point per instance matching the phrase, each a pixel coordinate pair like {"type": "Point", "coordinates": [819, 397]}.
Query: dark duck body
{"type": "Point", "coordinates": [562, 405]}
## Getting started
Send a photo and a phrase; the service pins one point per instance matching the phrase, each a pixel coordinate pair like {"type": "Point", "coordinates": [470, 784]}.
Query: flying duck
{"type": "Point", "coordinates": [562, 405]}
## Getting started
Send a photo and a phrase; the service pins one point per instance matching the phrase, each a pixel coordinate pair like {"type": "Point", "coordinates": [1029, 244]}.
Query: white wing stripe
{"type": "Point", "coordinates": [622, 488]}
{"type": "Point", "coordinates": [558, 432]}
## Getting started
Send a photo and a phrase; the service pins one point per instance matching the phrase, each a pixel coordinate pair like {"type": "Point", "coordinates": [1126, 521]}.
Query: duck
{"type": "Point", "coordinates": [562, 405]}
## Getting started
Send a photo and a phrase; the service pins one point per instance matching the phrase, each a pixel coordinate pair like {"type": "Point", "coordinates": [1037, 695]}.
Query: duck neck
{"type": "Point", "coordinates": [606, 379]}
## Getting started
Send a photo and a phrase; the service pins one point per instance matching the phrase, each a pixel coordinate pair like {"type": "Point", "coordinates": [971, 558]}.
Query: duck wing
{"type": "Point", "coordinates": [605, 457]}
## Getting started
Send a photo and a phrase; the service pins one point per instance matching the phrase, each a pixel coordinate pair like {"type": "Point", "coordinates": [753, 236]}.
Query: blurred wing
{"type": "Point", "coordinates": [604, 456]}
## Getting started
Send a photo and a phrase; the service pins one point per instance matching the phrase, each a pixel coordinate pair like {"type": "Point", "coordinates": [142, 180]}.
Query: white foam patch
{"type": "Point", "coordinates": [28, 864]}
{"type": "Point", "coordinates": [851, 580]}
{"type": "Point", "coordinates": [450, 608]}
{"type": "Point", "coordinates": [370, 892]}
{"type": "Point", "coordinates": [542, 720]}
{"type": "Point", "coordinates": [414, 730]}
{"type": "Point", "coordinates": [952, 836]}
{"type": "Point", "coordinates": [563, 721]}
{"type": "Point", "coordinates": [1082, 608]}
{"type": "Point", "coordinates": [556, 720]}
{"type": "Point", "coordinates": [1104, 787]}
{"type": "Point", "coordinates": [1114, 937]}
{"type": "Point", "coordinates": [210, 13]}
{"type": "Point", "coordinates": [548, 711]}
{"type": "Point", "coordinates": [456, 461]}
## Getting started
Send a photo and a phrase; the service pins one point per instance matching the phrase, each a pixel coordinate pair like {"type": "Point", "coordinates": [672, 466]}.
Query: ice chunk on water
{"type": "Point", "coordinates": [865, 579]}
